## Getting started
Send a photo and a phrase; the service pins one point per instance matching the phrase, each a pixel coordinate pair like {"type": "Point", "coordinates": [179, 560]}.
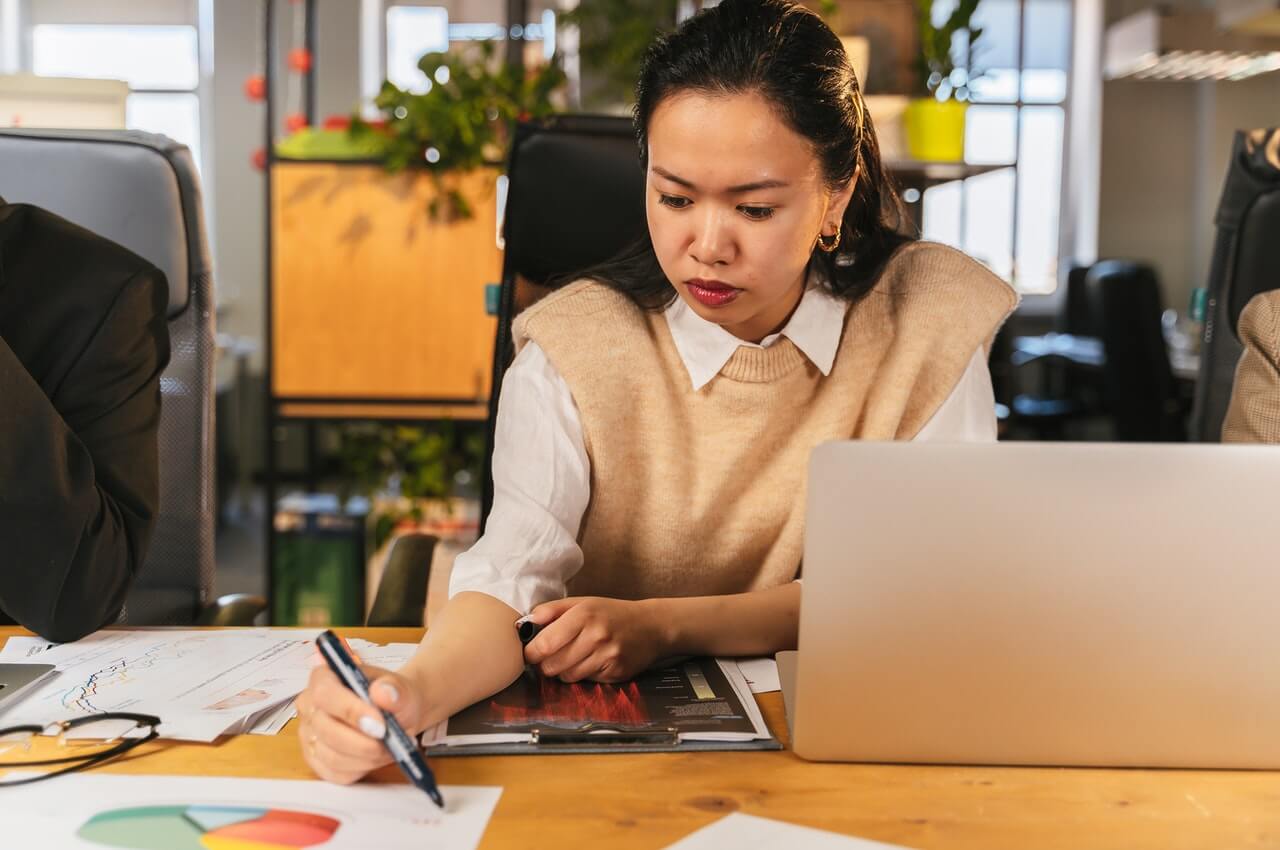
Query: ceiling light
{"type": "Point", "coordinates": [1157, 44]}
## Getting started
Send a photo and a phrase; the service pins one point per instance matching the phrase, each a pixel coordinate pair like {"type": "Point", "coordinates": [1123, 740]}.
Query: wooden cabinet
{"type": "Point", "coordinates": [372, 300]}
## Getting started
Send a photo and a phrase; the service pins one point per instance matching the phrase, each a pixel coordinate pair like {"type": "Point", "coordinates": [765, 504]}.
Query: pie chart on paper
{"type": "Point", "coordinates": [197, 827]}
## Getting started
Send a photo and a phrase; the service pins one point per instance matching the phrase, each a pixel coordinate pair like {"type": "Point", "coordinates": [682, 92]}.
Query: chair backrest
{"type": "Point", "coordinates": [401, 600]}
{"type": "Point", "coordinates": [142, 191]}
{"type": "Point", "coordinates": [1246, 261]}
{"type": "Point", "coordinates": [1075, 316]}
{"type": "Point", "coordinates": [1141, 394]}
{"type": "Point", "coordinates": [575, 198]}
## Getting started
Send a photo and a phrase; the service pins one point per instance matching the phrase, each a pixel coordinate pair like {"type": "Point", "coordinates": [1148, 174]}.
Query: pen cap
{"type": "Point", "coordinates": [527, 630]}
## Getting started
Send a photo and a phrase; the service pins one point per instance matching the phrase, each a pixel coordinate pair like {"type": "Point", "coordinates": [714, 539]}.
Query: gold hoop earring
{"type": "Point", "coordinates": [829, 246]}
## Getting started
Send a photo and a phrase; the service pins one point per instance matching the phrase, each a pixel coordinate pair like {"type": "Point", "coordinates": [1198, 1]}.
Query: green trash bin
{"type": "Point", "coordinates": [318, 574]}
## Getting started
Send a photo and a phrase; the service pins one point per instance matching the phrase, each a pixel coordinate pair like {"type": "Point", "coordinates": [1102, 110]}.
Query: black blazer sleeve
{"type": "Point", "coordinates": [79, 486]}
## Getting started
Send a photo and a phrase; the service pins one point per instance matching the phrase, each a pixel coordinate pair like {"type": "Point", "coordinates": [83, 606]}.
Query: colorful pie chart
{"type": "Point", "coordinates": [207, 828]}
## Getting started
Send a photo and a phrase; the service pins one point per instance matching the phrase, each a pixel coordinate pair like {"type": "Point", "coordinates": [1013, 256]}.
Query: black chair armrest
{"type": "Point", "coordinates": [402, 590]}
{"type": "Point", "coordinates": [232, 609]}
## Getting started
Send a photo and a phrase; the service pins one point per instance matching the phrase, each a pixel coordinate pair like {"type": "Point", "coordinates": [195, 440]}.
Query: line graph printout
{"type": "Point", "coordinates": [201, 684]}
{"type": "Point", "coordinates": [88, 812]}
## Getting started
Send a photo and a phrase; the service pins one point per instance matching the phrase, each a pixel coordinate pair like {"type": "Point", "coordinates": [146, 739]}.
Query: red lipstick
{"type": "Point", "coordinates": [712, 293]}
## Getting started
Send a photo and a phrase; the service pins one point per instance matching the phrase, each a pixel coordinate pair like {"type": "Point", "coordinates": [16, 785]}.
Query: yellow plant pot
{"type": "Point", "coordinates": [935, 129]}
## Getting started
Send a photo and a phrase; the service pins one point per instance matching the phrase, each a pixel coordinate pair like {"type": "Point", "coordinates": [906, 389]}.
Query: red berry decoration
{"type": "Point", "coordinates": [300, 59]}
{"type": "Point", "coordinates": [295, 121]}
{"type": "Point", "coordinates": [255, 88]}
{"type": "Point", "coordinates": [337, 122]}
{"type": "Point", "coordinates": [260, 159]}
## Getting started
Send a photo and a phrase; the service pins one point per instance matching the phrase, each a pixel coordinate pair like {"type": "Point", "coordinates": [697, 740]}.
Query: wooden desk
{"type": "Point", "coordinates": [649, 801]}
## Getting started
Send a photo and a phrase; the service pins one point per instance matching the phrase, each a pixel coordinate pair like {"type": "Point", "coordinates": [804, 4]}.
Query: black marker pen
{"type": "Point", "coordinates": [402, 748]}
{"type": "Point", "coordinates": [527, 630]}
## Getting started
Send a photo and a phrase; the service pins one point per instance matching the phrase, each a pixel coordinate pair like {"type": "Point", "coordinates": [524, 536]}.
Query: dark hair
{"type": "Point", "coordinates": [788, 55]}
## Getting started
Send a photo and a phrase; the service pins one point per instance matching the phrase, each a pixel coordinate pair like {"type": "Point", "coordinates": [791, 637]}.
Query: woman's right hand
{"type": "Point", "coordinates": [341, 735]}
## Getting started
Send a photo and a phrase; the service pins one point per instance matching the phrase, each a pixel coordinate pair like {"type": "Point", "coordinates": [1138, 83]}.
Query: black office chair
{"type": "Point", "coordinates": [1068, 382]}
{"type": "Point", "coordinates": [575, 198]}
{"type": "Point", "coordinates": [143, 192]}
{"type": "Point", "coordinates": [401, 599]}
{"type": "Point", "coordinates": [1140, 392]}
{"type": "Point", "coordinates": [1246, 261]}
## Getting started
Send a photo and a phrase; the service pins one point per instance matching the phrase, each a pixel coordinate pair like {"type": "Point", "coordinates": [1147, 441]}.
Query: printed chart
{"type": "Point", "coordinates": [97, 811]}
{"type": "Point", "coordinates": [208, 828]}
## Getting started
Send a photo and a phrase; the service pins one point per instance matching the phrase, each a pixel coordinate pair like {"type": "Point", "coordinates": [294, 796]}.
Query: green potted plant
{"type": "Point", "coordinates": [935, 120]}
{"type": "Point", "coordinates": [462, 122]}
{"type": "Point", "coordinates": [410, 474]}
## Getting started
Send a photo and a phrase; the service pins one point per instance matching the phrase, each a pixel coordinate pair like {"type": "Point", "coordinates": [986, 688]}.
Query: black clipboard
{"type": "Point", "coordinates": [672, 708]}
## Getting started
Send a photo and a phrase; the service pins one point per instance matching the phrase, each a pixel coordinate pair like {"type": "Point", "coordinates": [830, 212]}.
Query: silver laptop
{"type": "Point", "coordinates": [1041, 604]}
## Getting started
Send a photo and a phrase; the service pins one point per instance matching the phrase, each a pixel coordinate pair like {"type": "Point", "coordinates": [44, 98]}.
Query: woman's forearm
{"type": "Point", "coordinates": [761, 622]}
{"type": "Point", "coordinates": [470, 652]}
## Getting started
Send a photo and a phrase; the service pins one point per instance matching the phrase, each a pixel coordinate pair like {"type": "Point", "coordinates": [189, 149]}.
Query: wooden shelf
{"type": "Point", "coordinates": [389, 410]}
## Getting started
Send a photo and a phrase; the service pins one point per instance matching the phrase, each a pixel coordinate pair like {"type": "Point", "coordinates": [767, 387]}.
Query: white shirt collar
{"type": "Point", "coordinates": [814, 328]}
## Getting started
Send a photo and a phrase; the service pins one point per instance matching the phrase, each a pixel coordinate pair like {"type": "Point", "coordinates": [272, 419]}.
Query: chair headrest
{"type": "Point", "coordinates": [137, 189]}
{"type": "Point", "coordinates": [575, 197]}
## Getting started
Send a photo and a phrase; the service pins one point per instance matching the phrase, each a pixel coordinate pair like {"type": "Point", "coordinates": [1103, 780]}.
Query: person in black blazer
{"type": "Point", "coordinates": [83, 340]}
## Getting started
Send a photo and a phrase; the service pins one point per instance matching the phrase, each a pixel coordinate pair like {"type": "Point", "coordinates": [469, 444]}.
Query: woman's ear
{"type": "Point", "coordinates": [841, 197]}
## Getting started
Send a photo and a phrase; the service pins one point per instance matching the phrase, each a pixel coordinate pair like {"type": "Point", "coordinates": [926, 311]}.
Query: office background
{"type": "Point", "coordinates": [1078, 167]}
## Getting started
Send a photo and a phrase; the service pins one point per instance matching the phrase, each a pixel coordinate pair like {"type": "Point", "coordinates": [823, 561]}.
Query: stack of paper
{"type": "Point", "coordinates": [201, 684]}
{"type": "Point", "coordinates": [389, 657]}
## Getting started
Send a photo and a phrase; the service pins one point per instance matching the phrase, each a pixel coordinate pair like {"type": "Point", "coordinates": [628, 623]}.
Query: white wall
{"type": "Point", "coordinates": [1164, 155]}
{"type": "Point", "coordinates": [1147, 206]}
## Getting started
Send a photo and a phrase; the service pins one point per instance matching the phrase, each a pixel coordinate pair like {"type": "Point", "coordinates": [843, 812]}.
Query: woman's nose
{"type": "Point", "coordinates": [713, 243]}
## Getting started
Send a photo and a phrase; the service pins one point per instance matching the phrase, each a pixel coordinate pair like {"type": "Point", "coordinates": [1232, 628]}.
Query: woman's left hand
{"type": "Point", "coordinates": [592, 637]}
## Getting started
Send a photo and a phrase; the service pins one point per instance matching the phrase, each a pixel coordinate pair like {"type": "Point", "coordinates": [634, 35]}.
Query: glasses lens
{"type": "Point", "coordinates": [98, 734]}
{"type": "Point", "coordinates": [14, 746]}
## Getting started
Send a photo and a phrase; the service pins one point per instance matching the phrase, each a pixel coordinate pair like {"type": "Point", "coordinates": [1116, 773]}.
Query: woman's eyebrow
{"type": "Point", "coordinates": [732, 190]}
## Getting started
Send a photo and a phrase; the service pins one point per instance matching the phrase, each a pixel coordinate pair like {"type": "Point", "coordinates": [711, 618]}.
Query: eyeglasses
{"type": "Point", "coordinates": [96, 737]}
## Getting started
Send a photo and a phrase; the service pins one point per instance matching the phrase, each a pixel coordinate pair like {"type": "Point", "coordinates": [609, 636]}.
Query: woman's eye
{"type": "Point", "coordinates": [673, 201]}
{"type": "Point", "coordinates": [756, 213]}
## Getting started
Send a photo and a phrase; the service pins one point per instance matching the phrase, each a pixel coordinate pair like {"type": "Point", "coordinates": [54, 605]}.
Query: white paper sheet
{"type": "Point", "coordinates": [61, 813]}
{"type": "Point", "coordinates": [761, 674]}
{"type": "Point", "coordinates": [201, 684]}
{"type": "Point", "coordinates": [748, 832]}
{"type": "Point", "coordinates": [20, 647]}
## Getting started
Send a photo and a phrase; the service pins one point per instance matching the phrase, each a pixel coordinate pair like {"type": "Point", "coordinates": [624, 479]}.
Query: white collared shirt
{"type": "Point", "coordinates": [541, 473]}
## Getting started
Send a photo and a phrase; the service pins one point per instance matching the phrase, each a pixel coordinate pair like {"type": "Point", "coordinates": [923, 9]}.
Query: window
{"type": "Point", "coordinates": [415, 30]}
{"type": "Point", "coordinates": [160, 64]}
{"type": "Point", "coordinates": [1009, 217]}
{"type": "Point", "coordinates": [411, 32]}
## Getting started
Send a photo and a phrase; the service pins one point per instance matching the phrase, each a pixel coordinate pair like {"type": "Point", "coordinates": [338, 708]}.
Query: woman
{"type": "Point", "coordinates": [655, 426]}
{"type": "Point", "coordinates": [1254, 413]}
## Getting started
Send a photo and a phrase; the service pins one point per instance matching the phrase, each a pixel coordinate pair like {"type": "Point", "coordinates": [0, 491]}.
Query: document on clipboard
{"type": "Point", "coordinates": [688, 704]}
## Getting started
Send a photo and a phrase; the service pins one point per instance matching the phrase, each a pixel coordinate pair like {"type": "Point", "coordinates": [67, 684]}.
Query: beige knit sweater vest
{"type": "Point", "coordinates": [697, 493]}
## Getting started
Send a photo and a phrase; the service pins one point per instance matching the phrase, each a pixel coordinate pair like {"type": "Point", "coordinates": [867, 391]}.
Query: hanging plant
{"type": "Point", "coordinates": [613, 36]}
{"type": "Point", "coordinates": [463, 120]}
{"type": "Point", "coordinates": [938, 73]}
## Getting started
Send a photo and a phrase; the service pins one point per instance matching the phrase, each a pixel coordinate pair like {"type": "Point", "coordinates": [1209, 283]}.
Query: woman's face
{"type": "Point", "coordinates": [735, 202]}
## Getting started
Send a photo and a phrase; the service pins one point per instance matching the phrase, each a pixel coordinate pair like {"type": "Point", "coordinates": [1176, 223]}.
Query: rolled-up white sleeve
{"type": "Point", "coordinates": [541, 486]}
{"type": "Point", "coordinates": [969, 413]}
